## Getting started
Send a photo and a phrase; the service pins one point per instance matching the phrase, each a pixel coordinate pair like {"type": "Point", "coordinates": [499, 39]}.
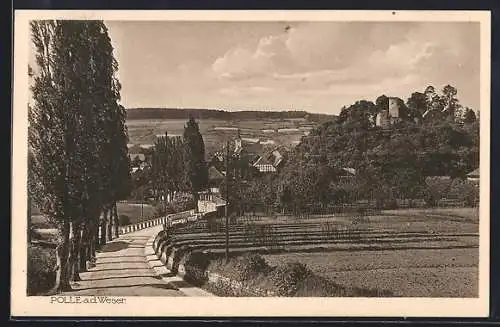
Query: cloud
{"type": "Point", "coordinates": [241, 62]}
{"type": "Point", "coordinates": [319, 66]}
{"type": "Point", "coordinates": [333, 52]}
{"type": "Point", "coordinates": [405, 56]}
{"type": "Point", "coordinates": [324, 45]}
{"type": "Point", "coordinates": [308, 47]}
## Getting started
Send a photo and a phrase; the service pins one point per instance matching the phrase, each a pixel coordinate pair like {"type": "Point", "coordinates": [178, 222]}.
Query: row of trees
{"type": "Point", "coordinates": [173, 165]}
{"type": "Point", "coordinates": [180, 113]}
{"type": "Point", "coordinates": [428, 107]}
{"type": "Point", "coordinates": [78, 158]}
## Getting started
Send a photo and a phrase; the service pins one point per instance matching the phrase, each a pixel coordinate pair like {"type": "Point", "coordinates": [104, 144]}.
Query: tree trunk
{"type": "Point", "coordinates": [93, 239]}
{"type": "Point", "coordinates": [109, 232]}
{"type": "Point", "coordinates": [117, 222]}
{"type": "Point", "coordinates": [96, 241]}
{"type": "Point", "coordinates": [84, 249]}
{"type": "Point", "coordinates": [75, 254]}
{"type": "Point", "coordinates": [64, 259]}
{"type": "Point", "coordinates": [103, 229]}
{"type": "Point", "coordinates": [58, 269]}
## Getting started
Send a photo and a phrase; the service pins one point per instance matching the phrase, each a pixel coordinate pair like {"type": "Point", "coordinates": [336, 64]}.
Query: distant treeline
{"type": "Point", "coordinates": [176, 113]}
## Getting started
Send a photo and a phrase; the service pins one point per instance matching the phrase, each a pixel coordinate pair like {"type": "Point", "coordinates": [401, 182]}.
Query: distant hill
{"type": "Point", "coordinates": [177, 113]}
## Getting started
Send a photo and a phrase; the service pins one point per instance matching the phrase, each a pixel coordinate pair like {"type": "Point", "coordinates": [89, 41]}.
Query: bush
{"type": "Point", "coordinates": [252, 272]}
{"type": "Point", "coordinates": [242, 268]}
{"type": "Point", "coordinates": [195, 264]}
{"type": "Point", "coordinates": [436, 188]}
{"type": "Point", "coordinates": [250, 265]}
{"type": "Point", "coordinates": [464, 191]}
{"type": "Point", "coordinates": [41, 269]}
{"type": "Point", "coordinates": [287, 277]}
{"type": "Point", "coordinates": [124, 220]}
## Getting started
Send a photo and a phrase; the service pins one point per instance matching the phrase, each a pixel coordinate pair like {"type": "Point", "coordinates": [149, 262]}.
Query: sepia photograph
{"type": "Point", "coordinates": [268, 162]}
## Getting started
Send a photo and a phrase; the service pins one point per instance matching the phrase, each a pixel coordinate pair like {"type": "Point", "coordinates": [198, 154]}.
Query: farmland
{"type": "Point", "coordinates": [215, 131]}
{"type": "Point", "coordinates": [410, 272]}
{"type": "Point", "coordinates": [411, 253]}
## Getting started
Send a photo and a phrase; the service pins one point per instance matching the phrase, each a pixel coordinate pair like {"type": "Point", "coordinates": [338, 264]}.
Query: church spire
{"type": "Point", "coordinates": [237, 143]}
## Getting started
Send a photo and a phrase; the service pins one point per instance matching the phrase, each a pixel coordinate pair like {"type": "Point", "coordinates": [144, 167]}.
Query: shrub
{"type": "Point", "coordinates": [41, 269]}
{"type": "Point", "coordinates": [242, 268]}
{"type": "Point", "coordinates": [124, 220]}
{"type": "Point", "coordinates": [195, 264]}
{"type": "Point", "coordinates": [257, 278]}
{"type": "Point", "coordinates": [250, 265]}
{"type": "Point", "coordinates": [286, 278]}
{"type": "Point", "coordinates": [464, 191]}
{"type": "Point", "coordinates": [435, 189]}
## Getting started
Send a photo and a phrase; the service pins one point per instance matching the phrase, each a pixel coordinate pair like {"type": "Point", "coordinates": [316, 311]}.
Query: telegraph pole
{"type": "Point", "coordinates": [227, 201]}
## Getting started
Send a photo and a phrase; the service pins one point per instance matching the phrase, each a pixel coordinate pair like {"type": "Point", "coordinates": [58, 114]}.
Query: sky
{"type": "Point", "coordinates": [312, 66]}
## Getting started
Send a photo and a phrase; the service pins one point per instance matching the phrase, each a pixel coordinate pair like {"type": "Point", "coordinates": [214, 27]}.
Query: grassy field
{"type": "Point", "coordinates": [144, 131]}
{"type": "Point", "coordinates": [133, 211]}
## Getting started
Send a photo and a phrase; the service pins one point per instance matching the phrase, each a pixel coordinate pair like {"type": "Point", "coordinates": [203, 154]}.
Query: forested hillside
{"type": "Point", "coordinates": [390, 163]}
{"type": "Point", "coordinates": [184, 113]}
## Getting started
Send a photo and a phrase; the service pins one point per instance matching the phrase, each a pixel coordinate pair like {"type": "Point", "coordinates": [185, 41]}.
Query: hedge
{"type": "Point", "coordinates": [41, 269]}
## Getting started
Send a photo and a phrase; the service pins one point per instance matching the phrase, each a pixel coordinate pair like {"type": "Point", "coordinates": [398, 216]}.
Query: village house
{"type": "Point", "coordinates": [473, 176]}
{"type": "Point", "coordinates": [269, 162]}
{"type": "Point", "coordinates": [251, 149]}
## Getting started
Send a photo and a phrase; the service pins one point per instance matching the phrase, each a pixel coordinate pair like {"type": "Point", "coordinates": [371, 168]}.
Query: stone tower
{"type": "Point", "coordinates": [393, 108]}
{"type": "Point", "coordinates": [389, 115]}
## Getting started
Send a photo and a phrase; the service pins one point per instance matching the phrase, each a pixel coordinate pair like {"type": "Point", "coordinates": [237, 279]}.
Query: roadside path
{"type": "Point", "coordinates": [122, 269]}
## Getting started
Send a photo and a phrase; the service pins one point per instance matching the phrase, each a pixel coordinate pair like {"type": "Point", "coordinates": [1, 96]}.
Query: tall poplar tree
{"type": "Point", "coordinates": [77, 136]}
{"type": "Point", "coordinates": [53, 133]}
{"type": "Point", "coordinates": [196, 168]}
